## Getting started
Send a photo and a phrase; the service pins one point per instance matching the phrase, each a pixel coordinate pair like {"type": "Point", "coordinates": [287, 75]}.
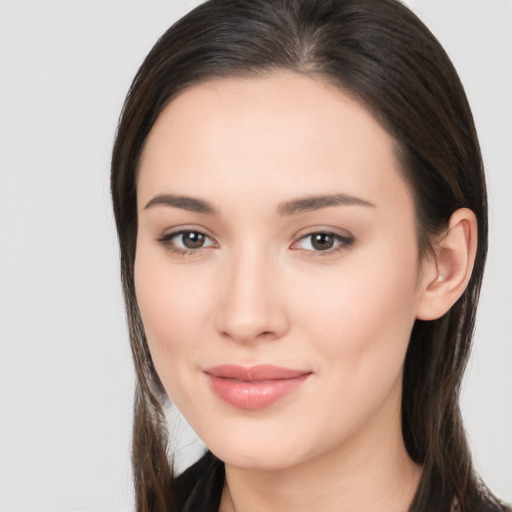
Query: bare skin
{"type": "Point", "coordinates": [234, 267]}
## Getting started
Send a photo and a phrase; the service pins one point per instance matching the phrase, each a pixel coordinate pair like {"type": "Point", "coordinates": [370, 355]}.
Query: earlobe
{"type": "Point", "coordinates": [446, 275]}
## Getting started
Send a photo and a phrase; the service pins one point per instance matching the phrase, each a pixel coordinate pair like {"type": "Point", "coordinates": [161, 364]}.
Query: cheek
{"type": "Point", "coordinates": [359, 321]}
{"type": "Point", "coordinates": [173, 310]}
{"type": "Point", "coordinates": [361, 312]}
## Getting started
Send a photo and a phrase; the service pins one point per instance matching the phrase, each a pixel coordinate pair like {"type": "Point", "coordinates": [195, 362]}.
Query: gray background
{"type": "Point", "coordinates": [65, 371]}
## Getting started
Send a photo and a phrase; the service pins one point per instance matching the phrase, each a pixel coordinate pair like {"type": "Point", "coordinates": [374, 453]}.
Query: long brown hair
{"type": "Point", "coordinates": [381, 54]}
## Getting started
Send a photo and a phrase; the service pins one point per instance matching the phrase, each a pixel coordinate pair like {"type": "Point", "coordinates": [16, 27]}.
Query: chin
{"type": "Point", "coordinates": [258, 458]}
{"type": "Point", "coordinates": [262, 451]}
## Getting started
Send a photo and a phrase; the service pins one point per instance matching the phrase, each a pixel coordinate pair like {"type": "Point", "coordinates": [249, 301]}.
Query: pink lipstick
{"type": "Point", "coordinates": [254, 387]}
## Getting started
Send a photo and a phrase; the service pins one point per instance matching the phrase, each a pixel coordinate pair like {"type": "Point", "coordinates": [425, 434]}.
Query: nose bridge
{"type": "Point", "coordinates": [249, 302]}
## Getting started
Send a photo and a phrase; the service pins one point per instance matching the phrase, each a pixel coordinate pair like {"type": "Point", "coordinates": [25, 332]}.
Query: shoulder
{"type": "Point", "coordinates": [199, 488]}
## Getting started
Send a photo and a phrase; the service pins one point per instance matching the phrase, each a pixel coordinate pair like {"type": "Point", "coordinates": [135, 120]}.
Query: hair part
{"type": "Point", "coordinates": [382, 55]}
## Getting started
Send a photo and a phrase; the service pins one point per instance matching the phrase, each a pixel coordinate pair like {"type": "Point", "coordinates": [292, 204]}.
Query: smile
{"type": "Point", "coordinates": [254, 387]}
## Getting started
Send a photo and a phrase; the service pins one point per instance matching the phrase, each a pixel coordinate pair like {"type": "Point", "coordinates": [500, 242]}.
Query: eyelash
{"type": "Point", "coordinates": [343, 242]}
{"type": "Point", "coordinates": [166, 241]}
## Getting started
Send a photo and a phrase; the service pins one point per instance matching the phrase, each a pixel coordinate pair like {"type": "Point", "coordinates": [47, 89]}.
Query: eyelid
{"type": "Point", "coordinates": [344, 240]}
{"type": "Point", "coordinates": [166, 240]}
{"type": "Point", "coordinates": [341, 240]}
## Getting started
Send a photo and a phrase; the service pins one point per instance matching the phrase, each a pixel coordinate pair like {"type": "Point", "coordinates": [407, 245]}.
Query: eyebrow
{"type": "Point", "coordinates": [304, 204]}
{"type": "Point", "coordinates": [184, 202]}
{"type": "Point", "coordinates": [311, 203]}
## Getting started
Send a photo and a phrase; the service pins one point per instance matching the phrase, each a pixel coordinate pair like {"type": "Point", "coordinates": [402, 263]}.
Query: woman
{"type": "Point", "coordinates": [301, 209]}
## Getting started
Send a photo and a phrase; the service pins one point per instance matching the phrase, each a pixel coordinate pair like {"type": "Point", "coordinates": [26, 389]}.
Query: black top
{"type": "Point", "coordinates": [199, 489]}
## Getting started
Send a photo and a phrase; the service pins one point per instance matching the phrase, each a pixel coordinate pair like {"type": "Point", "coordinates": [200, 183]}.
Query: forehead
{"type": "Point", "coordinates": [281, 129]}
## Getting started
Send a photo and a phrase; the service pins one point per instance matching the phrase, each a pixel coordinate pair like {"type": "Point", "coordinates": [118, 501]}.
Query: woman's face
{"type": "Point", "coordinates": [277, 268]}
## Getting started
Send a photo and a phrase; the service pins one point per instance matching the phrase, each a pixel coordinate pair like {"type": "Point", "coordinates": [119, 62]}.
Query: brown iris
{"type": "Point", "coordinates": [322, 241]}
{"type": "Point", "coordinates": [193, 240]}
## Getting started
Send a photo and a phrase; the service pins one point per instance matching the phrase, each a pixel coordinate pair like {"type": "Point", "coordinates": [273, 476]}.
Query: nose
{"type": "Point", "coordinates": [250, 304]}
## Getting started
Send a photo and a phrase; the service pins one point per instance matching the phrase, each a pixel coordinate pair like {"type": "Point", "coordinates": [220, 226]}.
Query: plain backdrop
{"type": "Point", "coordinates": [66, 378]}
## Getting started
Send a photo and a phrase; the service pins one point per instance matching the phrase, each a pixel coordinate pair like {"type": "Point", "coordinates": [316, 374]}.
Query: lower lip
{"type": "Point", "coordinates": [252, 395]}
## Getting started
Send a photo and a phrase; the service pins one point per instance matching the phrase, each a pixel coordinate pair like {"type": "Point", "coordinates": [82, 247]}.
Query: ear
{"type": "Point", "coordinates": [446, 274]}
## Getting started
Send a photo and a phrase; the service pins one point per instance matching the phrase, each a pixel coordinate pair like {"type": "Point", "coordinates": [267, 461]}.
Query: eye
{"type": "Point", "coordinates": [186, 241]}
{"type": "Point", "coordinates": [323, 241]}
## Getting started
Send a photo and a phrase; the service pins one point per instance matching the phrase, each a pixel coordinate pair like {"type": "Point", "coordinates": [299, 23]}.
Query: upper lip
{"type": "Point", "coordinates": [255, 373]}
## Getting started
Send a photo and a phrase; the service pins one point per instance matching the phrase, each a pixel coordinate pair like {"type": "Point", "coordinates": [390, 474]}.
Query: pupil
{"type": "Point", "coordinates": [322, 241]}
{"type": "Point", "coordinates": [193, 240]}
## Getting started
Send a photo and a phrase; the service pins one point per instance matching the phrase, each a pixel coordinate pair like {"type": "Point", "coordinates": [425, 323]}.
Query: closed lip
{"type": "Point", "coordinates": [263, 372]}
{"type": "Point", "coordinates": [254, 387]}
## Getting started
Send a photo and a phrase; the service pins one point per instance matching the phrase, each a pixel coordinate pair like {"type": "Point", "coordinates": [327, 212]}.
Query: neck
{"type": "Point", "coordinates": [370, 471]}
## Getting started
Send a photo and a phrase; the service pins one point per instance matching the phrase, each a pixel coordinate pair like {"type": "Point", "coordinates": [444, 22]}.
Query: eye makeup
{"type": "Point", "coordinates": [188, 242]}
{"type": "Point", "coordinates": [322, 243]}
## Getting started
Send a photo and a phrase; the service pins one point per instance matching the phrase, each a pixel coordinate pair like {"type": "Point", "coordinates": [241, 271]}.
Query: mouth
{"type": "Point", "coordinates": [254, 387]}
